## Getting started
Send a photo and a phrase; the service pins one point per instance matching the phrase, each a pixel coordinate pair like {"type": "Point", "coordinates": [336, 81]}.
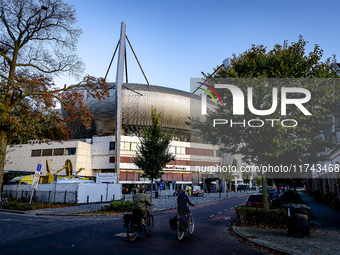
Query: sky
{"type": "Point", "coordinates": [177, 40]}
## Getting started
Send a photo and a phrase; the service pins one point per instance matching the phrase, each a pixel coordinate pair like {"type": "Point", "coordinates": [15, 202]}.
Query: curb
{"type": "Point", "coordinates": [262, 244]}
{"type": "Point", "coordinates": [75, 215]}
{"type": "Point", "coordinates": [12, 211]}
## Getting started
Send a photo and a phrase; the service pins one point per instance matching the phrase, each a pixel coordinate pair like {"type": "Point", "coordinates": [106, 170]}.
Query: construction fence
{"type": "Point", "coordinates": [79, 193]}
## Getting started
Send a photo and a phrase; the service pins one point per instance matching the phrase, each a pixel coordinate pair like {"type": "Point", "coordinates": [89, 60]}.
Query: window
{"type": "Point", "coordinates": [70, 151]}
{"type": "Point", "coordinates": [173, 150]}
{"type": "Point", "coordinates": [180, 150]}
{"type": "Point", "coordinates": [127, 146]}
{"type": "Point", "coordinates": [36, 153]}
{"type": "Point", "coordinates": [47, 152]}
{"type": "Point", "coordinates": [133, 146]}
{"type": "Point", "coordinates": [112, 146]}
{"type": "Point", "coordinates": [58, 152]}
{"type": "Point", "coordinates": [217, 153]}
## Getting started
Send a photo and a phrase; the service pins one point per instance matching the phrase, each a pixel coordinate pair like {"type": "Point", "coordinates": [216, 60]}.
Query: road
{"type": "Point", "coordinates": [24, 234]}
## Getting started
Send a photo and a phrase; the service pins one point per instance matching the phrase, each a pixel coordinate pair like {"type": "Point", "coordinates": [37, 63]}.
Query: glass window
{"type": "Point", "coordinates": [112, 146]}
{"type": "Point", "coordinates": [47, 152]}
{"type": "Point", "coordinates": [127, 146]}
{"type": "Point", "coordinates": [173, 150]}
{"type": "Point", "coordinates": [58, 152]}
{"type": "Point", "coordinates": [70, 151]}
{"type": "Point", "coordinates": [36, 153]}
{"type": "Point", "coordinates": [133, 146]}
{"type": "Point", "coordinates": [180, 150]}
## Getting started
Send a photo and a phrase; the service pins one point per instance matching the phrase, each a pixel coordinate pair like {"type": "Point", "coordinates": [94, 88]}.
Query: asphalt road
{"type": "Point", "coordinates": [24, 234]}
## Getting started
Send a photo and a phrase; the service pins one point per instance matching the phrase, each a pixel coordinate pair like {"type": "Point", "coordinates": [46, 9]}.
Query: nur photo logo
{"type": "Point", "coordinates": [238, 100]}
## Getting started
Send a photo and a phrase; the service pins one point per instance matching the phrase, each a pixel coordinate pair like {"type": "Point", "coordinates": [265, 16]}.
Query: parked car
{"type": "Point", "coordinates": [256, 200]}
{"type": "Point", "coordinates": [273, 194]}
{"type": "Point", "coordinates": [197, 191]}
{"type": "Point", "coordinates": [299, 189]}
{"type": "Point", "coordinates": [279, 193]}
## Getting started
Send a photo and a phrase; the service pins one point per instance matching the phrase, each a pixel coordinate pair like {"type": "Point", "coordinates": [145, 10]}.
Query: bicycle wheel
{"type": "Point", "coordinates": [179, 231]}
{"type": "Point", "coordinates": [132, 232]}
{"type": "Point", "coordinates": [191, 226]}
{"type": "Point", "coordinates": [149, 222]}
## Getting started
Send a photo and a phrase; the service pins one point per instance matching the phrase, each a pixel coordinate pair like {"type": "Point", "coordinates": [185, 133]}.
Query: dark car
{"type": "Point", "coordinates": [273, 194]}
{"type": "Point", "coordinates": [256, 200]}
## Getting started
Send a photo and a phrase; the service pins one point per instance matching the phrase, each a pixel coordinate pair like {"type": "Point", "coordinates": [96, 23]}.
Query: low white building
{"type": "Point", "coordinates": [96, 155]}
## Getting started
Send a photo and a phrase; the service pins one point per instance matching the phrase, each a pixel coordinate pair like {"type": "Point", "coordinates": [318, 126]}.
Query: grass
{"type": "Point", "coordinates": [23, 205]}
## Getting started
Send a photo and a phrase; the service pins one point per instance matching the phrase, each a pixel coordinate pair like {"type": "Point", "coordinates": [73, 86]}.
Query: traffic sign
{"type": "Point", "coordinates": [36, 177]}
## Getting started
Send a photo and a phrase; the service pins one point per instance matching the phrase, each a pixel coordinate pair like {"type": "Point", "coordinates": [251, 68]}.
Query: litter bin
{"type": "Point", "coordinates": [298, 223]}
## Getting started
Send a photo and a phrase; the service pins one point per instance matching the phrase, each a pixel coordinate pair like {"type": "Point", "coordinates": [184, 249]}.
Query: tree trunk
{"type": "Point", "coordinates": [151, 189]}
{"type": "Point", "coordinates": [3, 149]}
{"type": "Point", "coordinates": [265, 193]}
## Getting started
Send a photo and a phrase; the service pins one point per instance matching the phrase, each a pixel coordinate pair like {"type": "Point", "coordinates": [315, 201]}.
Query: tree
{"type": "Point", "coordinates": [153, 152]}
{"type": "Point", "coordinates": [258, 180]}
{"type": "Point", "coordinates": [246, 177]}
{"type": "Point", "coordinates": [37, 42]}
{"type": "Point", "coordinates": [227, 175]}
{"type": "Point", "coordinates": [274, 144]}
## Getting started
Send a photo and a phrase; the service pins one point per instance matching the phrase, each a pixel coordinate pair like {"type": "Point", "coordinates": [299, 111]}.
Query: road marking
{"type": "Point", "coordinates": [121, 234]}
{"type": "Point", "coordinates": [219, 212]}
{"type": "Point", "coordinates": [211, 216]}
{"type": "Point", "coordinates": [226, 210]}
{"type": "Point", "coordinates": [231, 208]}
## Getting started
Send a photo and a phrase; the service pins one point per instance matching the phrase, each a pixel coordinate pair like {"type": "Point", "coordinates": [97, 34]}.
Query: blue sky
{"type": "Point", "coordinates": [176, 40]}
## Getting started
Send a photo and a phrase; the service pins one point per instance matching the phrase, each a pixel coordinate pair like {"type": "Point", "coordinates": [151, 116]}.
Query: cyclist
{"type": "Point", "coordinates": [140, 202]}
{"type": "Point", "coordinates": [182, 201]}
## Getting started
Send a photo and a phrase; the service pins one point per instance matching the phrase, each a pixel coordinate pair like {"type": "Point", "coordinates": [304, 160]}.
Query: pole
{"type": "Point", "coordinates": [119, 81]}
{"type": "Point", "coordinates": [31, 195]}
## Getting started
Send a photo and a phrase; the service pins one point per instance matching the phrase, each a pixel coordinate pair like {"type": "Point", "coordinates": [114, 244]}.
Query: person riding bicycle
{"type": "Point", "coordinates": [140, 202]}
{"type": "Point", "coordinates": [182, 201]}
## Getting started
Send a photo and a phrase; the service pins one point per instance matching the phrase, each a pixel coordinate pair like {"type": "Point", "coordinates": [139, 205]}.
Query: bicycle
{"type": "Point", "coordinates": [3, 202]}
{"type": "Point", "coordinates": [135, 226]}
{"type": "Point", "coordinates": [180, 229]}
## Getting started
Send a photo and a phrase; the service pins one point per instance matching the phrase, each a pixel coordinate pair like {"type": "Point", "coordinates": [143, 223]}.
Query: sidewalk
{"type": "Point", "coordinates": [324, 239]}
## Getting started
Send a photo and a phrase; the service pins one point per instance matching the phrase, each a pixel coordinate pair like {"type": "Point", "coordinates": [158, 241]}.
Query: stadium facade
{"type": "Point", "coordinates": [94, 149]}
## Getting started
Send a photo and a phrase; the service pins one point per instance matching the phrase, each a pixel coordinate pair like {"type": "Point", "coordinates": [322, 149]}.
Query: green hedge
{"type": "Point", "coordinates": [260, 217]}
{"type": "Point", "coordinates": [118, 206]}
{"type": "Point", "coordinates": [330, 198]}
{"type": "Point", "coordinates": [18, 206]}
{"type": "Point", "coordinates": [291, 197]}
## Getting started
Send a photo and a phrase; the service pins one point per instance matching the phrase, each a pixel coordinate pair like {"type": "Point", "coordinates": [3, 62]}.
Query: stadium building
{"type": "Point", "coordinates": [93, 150]}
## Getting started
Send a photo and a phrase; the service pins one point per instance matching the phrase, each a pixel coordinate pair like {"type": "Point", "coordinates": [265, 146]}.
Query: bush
{"type": "Point", "coordinates": [318, 197]}
{"type": "Point", "coordinates": [18, 206]}
{"type": "Point", "coordinates": [291, 197]}
{"type": "Point", "coordinates": [118, 206]}
{"type": "Point", "coordinates": [260, 217]}
{"type": "Point", "coordinates": [331, 199]}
